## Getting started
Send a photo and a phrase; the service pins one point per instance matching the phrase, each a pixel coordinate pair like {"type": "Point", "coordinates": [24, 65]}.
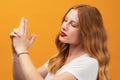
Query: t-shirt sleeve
{"type": "Point", "coordinates": [84, 69]}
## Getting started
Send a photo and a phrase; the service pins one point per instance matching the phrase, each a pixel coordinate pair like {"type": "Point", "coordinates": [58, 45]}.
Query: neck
{"type": "Point", "coordinates": [76, 50]}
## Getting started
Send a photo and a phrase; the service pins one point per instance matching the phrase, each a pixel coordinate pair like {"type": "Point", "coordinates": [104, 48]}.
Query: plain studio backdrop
{"type": "Point", "coordinates": [44, 19]}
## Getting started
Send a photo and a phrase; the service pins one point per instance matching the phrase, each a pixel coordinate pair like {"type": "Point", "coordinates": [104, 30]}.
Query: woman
{"type": "Point", "coordinates": [82, 49]}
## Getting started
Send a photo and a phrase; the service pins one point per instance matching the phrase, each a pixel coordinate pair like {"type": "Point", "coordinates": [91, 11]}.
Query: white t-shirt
{"type": "Point", "coordinates": [83, 68]}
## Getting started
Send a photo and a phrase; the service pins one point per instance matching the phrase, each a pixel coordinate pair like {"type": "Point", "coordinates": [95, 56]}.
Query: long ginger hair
{"type": "Point", "coordinates": [94, 38]}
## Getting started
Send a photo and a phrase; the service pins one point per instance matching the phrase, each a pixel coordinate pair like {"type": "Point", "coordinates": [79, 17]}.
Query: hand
{"type": "Point", "coordinates": [20, 41]}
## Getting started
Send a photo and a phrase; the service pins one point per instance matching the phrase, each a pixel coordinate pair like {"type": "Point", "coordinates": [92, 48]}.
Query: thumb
{"type": "Point", "coordinates": [32, 38]}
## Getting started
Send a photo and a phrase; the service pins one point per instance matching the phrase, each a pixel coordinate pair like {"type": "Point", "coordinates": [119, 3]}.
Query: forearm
{"type": "Point", "coordinates": [28, 69]}
{"type": "Point", "coordinates": [17, 71]}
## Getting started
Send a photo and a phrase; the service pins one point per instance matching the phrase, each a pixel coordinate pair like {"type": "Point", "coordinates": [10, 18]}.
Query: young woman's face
{"type": "Point", "coordinates": [69, 30]}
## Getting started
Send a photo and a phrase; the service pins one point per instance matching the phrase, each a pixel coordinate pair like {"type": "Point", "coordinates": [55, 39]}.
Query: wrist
{"type": "Point", "coordinates": [22, 53]}
{"type": "Point", "coordinates": [21, 50]}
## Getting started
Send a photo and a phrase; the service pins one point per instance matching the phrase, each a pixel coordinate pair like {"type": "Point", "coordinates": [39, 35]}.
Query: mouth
{"type": "Point", "coordinates": [62, 34]}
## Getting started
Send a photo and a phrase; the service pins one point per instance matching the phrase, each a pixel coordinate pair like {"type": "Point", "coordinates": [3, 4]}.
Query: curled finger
{"type": "Point", "coordinates": [17, 32]}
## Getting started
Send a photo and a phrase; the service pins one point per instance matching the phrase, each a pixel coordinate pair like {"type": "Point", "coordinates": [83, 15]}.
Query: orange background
{"type": "Point", "coordinates": [44, 19]}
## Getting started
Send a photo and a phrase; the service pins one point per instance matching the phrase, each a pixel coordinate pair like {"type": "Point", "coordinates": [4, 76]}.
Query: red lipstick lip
{"type": "Point", "coordinates": [62, 34]}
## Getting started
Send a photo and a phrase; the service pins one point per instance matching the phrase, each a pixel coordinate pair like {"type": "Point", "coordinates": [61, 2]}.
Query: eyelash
{"type": "Point", "coordinates": [65, 20]}
{"type": "Point", "coordinates": [73, 25]}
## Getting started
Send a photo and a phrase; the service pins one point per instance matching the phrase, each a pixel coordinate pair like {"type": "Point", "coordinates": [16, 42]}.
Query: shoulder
{"type": "Point", "coordinates": [85, 60]}
{"type": "Point", "coordinates": [83, 67]}
{"type": "Point", "coordinates": [85, 63]}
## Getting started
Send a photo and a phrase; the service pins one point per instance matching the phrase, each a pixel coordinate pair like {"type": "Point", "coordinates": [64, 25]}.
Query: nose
{"type": "Point", "coordinates": [65, 26]}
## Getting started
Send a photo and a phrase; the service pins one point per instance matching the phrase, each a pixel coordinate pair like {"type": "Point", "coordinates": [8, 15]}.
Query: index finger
{"type": "Point", "coordinates": [22, 25]}
{"type": "Point", "coordinates": [25, 27]}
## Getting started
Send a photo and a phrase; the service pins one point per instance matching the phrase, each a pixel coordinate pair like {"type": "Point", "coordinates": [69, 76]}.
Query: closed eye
{"type": "Point", "coordinates": [66, 19]}
{"type": "Point", "coordinates": [74, 24]}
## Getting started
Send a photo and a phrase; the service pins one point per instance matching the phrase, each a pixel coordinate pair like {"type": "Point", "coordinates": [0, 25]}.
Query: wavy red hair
{"type": "Point", "coordinates": [94, 38]}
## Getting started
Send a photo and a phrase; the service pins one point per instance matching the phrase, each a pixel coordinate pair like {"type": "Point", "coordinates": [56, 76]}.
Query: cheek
{"type": "Point", "coordinates": [75, 36]}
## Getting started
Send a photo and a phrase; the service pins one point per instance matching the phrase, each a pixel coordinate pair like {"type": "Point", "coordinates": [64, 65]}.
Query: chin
{"type": "Point", "coordinates": [63, 40]}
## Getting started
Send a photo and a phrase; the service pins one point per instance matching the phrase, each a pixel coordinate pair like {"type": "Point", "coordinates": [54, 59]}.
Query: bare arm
{"type": "Point", "coordinates": [31, 73]}
{"type": "Point", "coordinates": [21, 43]}
{"type": "Point", "coordinates": [17, 71]}
{"type": "Point", "coordinates": [43, 71]}
{"type": "Point", "coordinates": [64, 76]}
